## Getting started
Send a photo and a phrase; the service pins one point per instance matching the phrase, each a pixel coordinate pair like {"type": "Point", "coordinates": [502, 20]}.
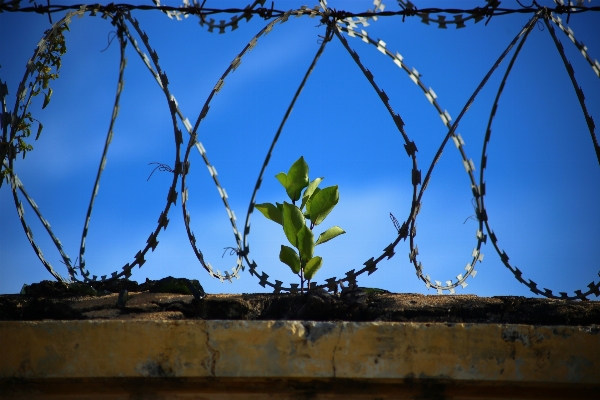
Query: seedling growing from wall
{"type": "Point", "coordinates": [298, 222]}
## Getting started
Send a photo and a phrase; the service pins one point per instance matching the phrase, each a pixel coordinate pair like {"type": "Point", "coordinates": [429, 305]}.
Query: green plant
{"type": "Point", "coordinates": [48, 60]}
{"type": "Point", "coordinates": [315, 205]}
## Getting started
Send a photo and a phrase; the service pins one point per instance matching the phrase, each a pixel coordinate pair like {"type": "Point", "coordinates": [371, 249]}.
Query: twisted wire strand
{"type": "Point", "coordinates": [14, 180]}
{"type": "Point", "coordinates": [468, 166]}
{"type": "Point", "coordinates": [332, 283]}
{"type": "Point", "coordinates": [411, 150]}
{"type": "Point", "coordinates": [588, 119]}
{"type": "Point", "coordinates": [109, 136]}
{"type": "Point", "coordinates": [354, 22]}
{"type": "Point", "coordinates": [263, 277]}
{"type": "Point", "coordinates": [243, 249]}
{"type": "Point", "coordinates": [216, 274]}
{"type": "Point", "coordinates": [232, 218]}
{"type": "Point", "coordinates": [246, 249]}
{"type": "Point", "coordinates": [17, 184]}
{"type": "Point", "coordinates": [163, 221]}
{"type": "Point", "coordinates": [171, 198]}
{"type": "Point", "coordinates": [193, 141]}
{"type": "Point", "coordinates": [480, 190]}
{"type": "Point", "coordinates": [431, 96]}
{"type": "Point", "coordinates": [211, 24]}
{"type": "Point", "coordinates": [398, 59]}
{"type": "Point", "coordinates": [580, 46]}
{"type": "Point", "coordinates": [594, 288]}
{"type": "Point", "coordinates": [441, 20]}
{"type": "Point", "coordinates": [163, 218]}
{"type": "Point", "coordinates": [477, 12]}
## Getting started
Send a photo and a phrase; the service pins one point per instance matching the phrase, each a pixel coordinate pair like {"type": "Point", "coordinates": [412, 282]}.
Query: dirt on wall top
{"type": "Point", "coordinates": [176, 299]}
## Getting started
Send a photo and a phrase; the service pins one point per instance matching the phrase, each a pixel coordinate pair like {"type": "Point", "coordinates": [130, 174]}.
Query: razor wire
{"type": "Point", "coordinates": [337, 23]}
{"type": "Point", "coordinates": [411, 150]}
{"type": "Point", "coordinates": [479, 192]}
{"type": "Point", "coordinates": [408, 9]}
{"type": "Point", "coordinates": [211, 24]}
{"type": "Point", "coordinates": [14, 180]}
{"type": "Point", "coordinates": [469, 167]}
{"type": "Point", "coordinates": [151, 243]}
{"type": "Point", "coordinates": [16, 183]}
{"type": "Point", "coordinates": [431, 96]}
{"type": "Point", "coordinates": [212, 171]}
{"type": "Point", "coordinates": [109, 136]}
{"type": "Point", "coordinates": [441, 20]}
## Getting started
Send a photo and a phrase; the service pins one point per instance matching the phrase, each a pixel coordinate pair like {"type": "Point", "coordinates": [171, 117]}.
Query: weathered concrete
{"type": "Point", "coordinates": [251, 359]}
{"type": "Point", "coordinates": [65, 341]}
{"type": "Point", "coordinates": [315, 306]}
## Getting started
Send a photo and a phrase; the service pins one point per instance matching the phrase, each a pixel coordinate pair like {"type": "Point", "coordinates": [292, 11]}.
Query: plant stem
{"type": "Point", "coordinates": [301, 277]}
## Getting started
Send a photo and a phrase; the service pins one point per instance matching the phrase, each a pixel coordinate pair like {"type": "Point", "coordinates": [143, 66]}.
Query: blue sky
{"type": "Point", "coordinates": [543, 178]}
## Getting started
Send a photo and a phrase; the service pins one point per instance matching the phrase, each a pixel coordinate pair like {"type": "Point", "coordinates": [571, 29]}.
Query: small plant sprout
{"type": "Point", "coordinates": [315, 205]}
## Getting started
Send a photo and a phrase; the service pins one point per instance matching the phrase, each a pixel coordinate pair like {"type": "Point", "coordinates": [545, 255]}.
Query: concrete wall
{"type": "Point", "coordinates": [296, 359]}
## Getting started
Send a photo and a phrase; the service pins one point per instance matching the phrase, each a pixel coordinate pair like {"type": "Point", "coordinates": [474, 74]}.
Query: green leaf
{"type": "Point", "coordinates": [309, 191]}
{"type": "Point", "coordinates": [306, 243]}
{"type": "Point", "coordinates": [282, 178]}
{"type": "Point", "coordinates": [47, 98]}
{"type": "Point", "coordinates": [288, 256]}
{"type": "Point", "coordinates": [322, 203]}
{"type": "Point", "coordinates": [40, 127]}
{"type": "Point", "coordinates": [306, 213]}
{"type": "Point", "coordinates": [312, 266]}
{"type": "Point", "coordinates": [329, 234]}
{"type": "Point", "coordinates": [271, 212]}
{"type": "Point", "coordinates": [297, 179]}
{"type": "Point", "coordinates": [293, 221]}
